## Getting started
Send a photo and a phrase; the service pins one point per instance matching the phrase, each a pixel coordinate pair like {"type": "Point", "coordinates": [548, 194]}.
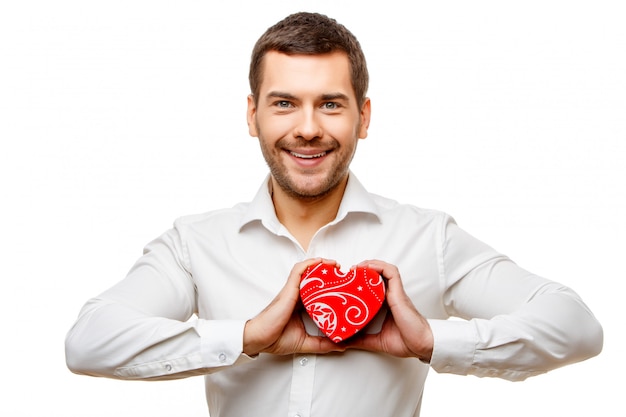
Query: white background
{"type": "Point", "coordinates": [117, 117]}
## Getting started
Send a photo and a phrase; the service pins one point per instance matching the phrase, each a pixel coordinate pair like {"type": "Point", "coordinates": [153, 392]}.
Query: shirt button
{"type": "Point", "coordinates": [168, 367]}
{"type": "Point", "coordinates": [303, 362]}
{"type": "Point", "coordinates": [222, 357]}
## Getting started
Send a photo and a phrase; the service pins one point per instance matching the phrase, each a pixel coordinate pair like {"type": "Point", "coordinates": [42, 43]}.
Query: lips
{"type": "Point", "coordinates": [308, 156]}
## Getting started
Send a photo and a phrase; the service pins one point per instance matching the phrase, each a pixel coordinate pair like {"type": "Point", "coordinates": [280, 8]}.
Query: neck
{"type": "Point", "coordinates": [304, 217]}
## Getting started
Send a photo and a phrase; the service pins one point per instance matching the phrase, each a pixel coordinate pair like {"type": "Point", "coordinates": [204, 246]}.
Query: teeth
{"type": "Point", "coordinates": [299, 155]}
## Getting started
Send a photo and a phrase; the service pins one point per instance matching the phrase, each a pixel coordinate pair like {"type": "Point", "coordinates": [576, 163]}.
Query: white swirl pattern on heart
{"type": "Point", "coordinates": [339, 303]}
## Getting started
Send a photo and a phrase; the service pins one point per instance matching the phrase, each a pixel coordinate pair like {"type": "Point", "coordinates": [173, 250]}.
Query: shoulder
{"type": "Point", "coordinates": [390, 208]}
{"type": "Point", "coordinates": [218, 217]}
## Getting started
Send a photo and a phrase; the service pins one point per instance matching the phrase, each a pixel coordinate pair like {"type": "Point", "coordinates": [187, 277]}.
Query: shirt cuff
{"type": "Point", "coordinates": [222, 342]}
{"type": "Point", "coordinates": [454, 346]}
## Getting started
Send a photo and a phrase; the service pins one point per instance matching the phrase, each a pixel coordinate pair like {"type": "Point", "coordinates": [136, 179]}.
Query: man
{"type": "Point", "coordinates": [258, 353]}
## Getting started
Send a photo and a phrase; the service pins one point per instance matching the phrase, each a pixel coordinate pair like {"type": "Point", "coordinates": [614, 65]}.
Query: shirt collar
{"type": "Point", "coordinates": [356, 199]}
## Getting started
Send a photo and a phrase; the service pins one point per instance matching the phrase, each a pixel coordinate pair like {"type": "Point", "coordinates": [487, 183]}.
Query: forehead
{"type": "Point", "coordinates": [318, 74]}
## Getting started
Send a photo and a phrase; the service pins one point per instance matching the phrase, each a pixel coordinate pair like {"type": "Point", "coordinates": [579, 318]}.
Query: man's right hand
{"type": "Point", "coordinates": [279, 329]}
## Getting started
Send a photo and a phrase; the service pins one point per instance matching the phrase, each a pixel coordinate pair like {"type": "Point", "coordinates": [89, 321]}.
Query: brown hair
{"type": "Point", "coordinates": [310, 34]}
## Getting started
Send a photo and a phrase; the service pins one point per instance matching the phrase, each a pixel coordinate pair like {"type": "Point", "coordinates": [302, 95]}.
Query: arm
{"type": "Point", "coordinates": [140, 328]}
{"type": "Point", "coordinates": [515, 325]}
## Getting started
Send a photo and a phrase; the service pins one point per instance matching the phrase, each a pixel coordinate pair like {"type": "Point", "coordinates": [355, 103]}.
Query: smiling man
{"type": "Point", "coordinates": [308, 120]}
{"type": "Point", "coordinates": [218, 294]}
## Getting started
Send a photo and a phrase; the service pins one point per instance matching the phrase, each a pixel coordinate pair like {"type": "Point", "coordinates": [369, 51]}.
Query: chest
{"type": "Point", "coordinates": [236, 278]}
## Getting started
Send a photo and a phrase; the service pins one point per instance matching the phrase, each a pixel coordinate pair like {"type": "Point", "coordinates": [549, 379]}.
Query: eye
{"type": "Point", "coordinates": [330, 105]}
{"type": "Point", "coordinates": [283, 104]}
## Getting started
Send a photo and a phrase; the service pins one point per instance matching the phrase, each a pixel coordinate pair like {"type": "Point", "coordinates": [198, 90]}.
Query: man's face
{"type": "Point", "coordinates": [308, 121]}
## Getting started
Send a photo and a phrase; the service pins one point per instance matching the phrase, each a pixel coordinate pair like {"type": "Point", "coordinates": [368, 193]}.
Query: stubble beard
{"type": "Point", "coordinates": [307, 191]}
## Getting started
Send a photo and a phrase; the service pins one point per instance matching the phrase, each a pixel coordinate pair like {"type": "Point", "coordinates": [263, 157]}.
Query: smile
{"type": "Point", "coordinates": [299, 155]}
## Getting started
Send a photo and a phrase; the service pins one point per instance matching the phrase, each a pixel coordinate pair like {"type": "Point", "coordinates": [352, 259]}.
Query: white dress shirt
{"type": "Point", "coordinates": [182, 308]}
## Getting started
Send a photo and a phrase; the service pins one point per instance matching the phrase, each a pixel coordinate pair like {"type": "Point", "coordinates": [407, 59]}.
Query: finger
{"type": "Point", "coordinates": [289, 295]}
{"type": "Point", "coordinates": [387, 270]}
{"type": "Point", "coordinates": [369, 342]}
{"type": "Point", "coordinates": [293, 281]}
{"type": "Point", "coordinates": [300, 268]}
{"type": "Point", "coordinates": [395, 289]}
{"type": "Point", "coordinates": [319, 345]}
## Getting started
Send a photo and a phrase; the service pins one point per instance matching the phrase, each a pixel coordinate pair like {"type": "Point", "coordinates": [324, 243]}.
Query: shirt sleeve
{"type": "Point", "coordinates": [144, 327]}
{"type": "Point", "coordinates": [513, 324]}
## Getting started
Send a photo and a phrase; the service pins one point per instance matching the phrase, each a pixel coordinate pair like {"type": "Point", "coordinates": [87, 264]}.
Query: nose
{"type": "Point", "coordinates": [308, 126]}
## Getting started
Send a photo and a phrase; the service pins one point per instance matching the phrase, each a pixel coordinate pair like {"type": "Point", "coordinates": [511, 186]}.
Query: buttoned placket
{"type": "Point", "coordinates": [303, 366]}
{"type": "Point", "coordinates": [301, 394]}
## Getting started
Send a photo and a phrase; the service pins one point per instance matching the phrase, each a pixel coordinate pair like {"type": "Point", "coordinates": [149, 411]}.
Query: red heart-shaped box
{"type": "Point", "coordinates": [339, 303]}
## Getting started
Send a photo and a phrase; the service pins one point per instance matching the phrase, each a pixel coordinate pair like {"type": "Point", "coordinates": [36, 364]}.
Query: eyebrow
{"type": "Point", "coordinates": [323, 97]}
{"type": "Point", "coordinates": [279, 94]}
{"type": "Point", "coordinates": [335, 96]}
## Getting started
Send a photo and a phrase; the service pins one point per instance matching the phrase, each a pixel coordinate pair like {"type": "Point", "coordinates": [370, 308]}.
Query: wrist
{"type": "Point", "coordinates": [250, 347]}
{"type": "Point", "coordinates": [427, 342]}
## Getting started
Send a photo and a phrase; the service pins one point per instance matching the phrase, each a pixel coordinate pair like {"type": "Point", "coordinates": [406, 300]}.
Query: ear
{"type": "Point", "coordinates": [366, 112]}
{"type": "Point", "coordinates": [251, 117]}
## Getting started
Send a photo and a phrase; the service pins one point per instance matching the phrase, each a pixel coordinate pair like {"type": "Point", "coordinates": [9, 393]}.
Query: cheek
{"type": "Point", "coordinates": [273, 128]}
{"type": "Point", "coordinates": [342, 129]}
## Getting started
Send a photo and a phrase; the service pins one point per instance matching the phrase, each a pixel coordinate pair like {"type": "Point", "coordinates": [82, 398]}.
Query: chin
{"type": "Point", "coordinates": [311, 190]}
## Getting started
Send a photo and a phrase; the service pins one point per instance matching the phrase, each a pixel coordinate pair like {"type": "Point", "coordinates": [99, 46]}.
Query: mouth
{"type": "Point", "coordinates": [305, 156]}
